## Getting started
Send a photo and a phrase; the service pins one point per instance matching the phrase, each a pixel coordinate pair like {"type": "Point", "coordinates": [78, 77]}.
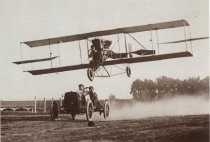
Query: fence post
{"type": "Point", "coordinates": [61, 101]}
{"type": "Point", "coordinates": [44, 105]}
{"type": "Point", "coordinates": [35, 105]}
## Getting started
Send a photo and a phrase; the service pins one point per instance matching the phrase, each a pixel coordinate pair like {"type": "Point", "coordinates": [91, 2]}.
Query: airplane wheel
{"type": "Point", "coordinates": [89, 111]}
{"type": "Point", "coordinates": [106, 109]}
{"type": "Point", "coordinates": [90, 74]}
{"type": "Point", "coordinates": [128, 71]}
{"type": "Point", "coordinates": [73, 116]}
{"type": "Point", "coordinates": [54, 111]}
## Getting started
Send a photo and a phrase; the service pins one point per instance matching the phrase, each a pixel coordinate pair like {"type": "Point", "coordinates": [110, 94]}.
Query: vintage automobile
{"type": "Point", "coordinates": [75, 103]}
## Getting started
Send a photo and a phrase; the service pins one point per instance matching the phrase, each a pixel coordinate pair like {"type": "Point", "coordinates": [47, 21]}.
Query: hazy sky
{"type": "Point", "coordinates": [31, 20]}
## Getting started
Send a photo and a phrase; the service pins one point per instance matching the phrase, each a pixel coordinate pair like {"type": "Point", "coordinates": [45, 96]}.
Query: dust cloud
{"type": "Point", "coordinates": [182, 105]}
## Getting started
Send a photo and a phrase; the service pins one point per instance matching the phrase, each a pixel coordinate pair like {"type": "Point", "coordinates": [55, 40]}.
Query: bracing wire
{"type": "Point", "coordinates": [134, 39]}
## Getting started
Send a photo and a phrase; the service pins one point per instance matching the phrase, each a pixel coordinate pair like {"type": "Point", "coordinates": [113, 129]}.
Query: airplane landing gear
{"type": "Point", "coordinates": [128, 71]}
{"type": "Point", "coordinates": [90, 74]}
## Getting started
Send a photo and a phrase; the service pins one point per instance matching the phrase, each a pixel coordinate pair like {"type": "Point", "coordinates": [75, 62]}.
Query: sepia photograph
{"type": "Point", "coordinates": [104, 71]}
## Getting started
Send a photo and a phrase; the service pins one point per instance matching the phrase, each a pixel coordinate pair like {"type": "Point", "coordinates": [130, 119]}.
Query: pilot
{"type": "Point", "coordinates": [94, 98]}
{"type": "Point", "coordinates": [107, 44]}
{"type": "Point", "coordinates": [96, 53]}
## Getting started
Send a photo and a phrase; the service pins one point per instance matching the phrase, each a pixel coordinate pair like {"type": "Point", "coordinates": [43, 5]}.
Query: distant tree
{"type": "Point", "coordinates": [193, 85]}
{"type": "Point", "coordinates": [205, 84]}
{"type": "Point", "coordinates": [112, 97]}
{"type": "Point", "coordinates": [137, 88]}
{"type": "Point", "coordinates": [143, 90]}
{"type": "Point", "coordinates": [165, 85]}
{"type": "Point", "coordinates": [179, 86]}
{"type": "Point", "coordinates": [137, 85]}
{"type": "Point", "coordinates": [149, 85]}
{"type": "Point", "coordinates": [147, 90]}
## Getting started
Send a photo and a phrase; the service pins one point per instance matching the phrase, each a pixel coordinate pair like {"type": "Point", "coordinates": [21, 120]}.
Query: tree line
{"type": "Point", "coordinates": [148, 90]}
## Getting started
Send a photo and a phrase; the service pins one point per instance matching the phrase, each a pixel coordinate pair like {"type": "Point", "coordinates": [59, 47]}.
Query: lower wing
{"type": "Point", "coordinates": [113, 62]}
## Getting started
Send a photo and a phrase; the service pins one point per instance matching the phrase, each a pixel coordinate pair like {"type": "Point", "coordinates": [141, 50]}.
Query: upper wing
{"type": "Point", "coordinates": [112, 62]}
{"type": "Point", "coordinates": [185, 40]}
{"type": "Point", "coordinates": [157, 26]}
{"type": "Point", "coordinates": [59, 69]}
{"type": "Point", "coordinates": [36, 60]}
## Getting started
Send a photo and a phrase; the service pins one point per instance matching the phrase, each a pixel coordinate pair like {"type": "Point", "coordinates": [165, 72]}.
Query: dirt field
{"type": "Point", "coordinates": [194, 128]}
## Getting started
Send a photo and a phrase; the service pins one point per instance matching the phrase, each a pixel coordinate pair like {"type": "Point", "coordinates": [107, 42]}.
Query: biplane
{"type": "Point", "coordinates": [100, 54]}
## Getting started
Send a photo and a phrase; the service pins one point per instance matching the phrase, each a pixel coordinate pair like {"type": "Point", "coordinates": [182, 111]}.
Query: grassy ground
{"type": "Point", "coordinates": [194, 128]}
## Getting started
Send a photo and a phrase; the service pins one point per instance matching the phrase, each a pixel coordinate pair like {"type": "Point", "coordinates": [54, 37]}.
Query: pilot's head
{"type": "Point", "coordinates": [81, 87]}
{"type": "Point", "coordinates": [95, 41]}
{"type": "Point", "coordinates": [92, 47]}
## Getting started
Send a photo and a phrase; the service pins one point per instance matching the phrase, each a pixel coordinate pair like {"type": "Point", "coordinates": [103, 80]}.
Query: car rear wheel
{"type": "Point", "coordinates": [106, 109]}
